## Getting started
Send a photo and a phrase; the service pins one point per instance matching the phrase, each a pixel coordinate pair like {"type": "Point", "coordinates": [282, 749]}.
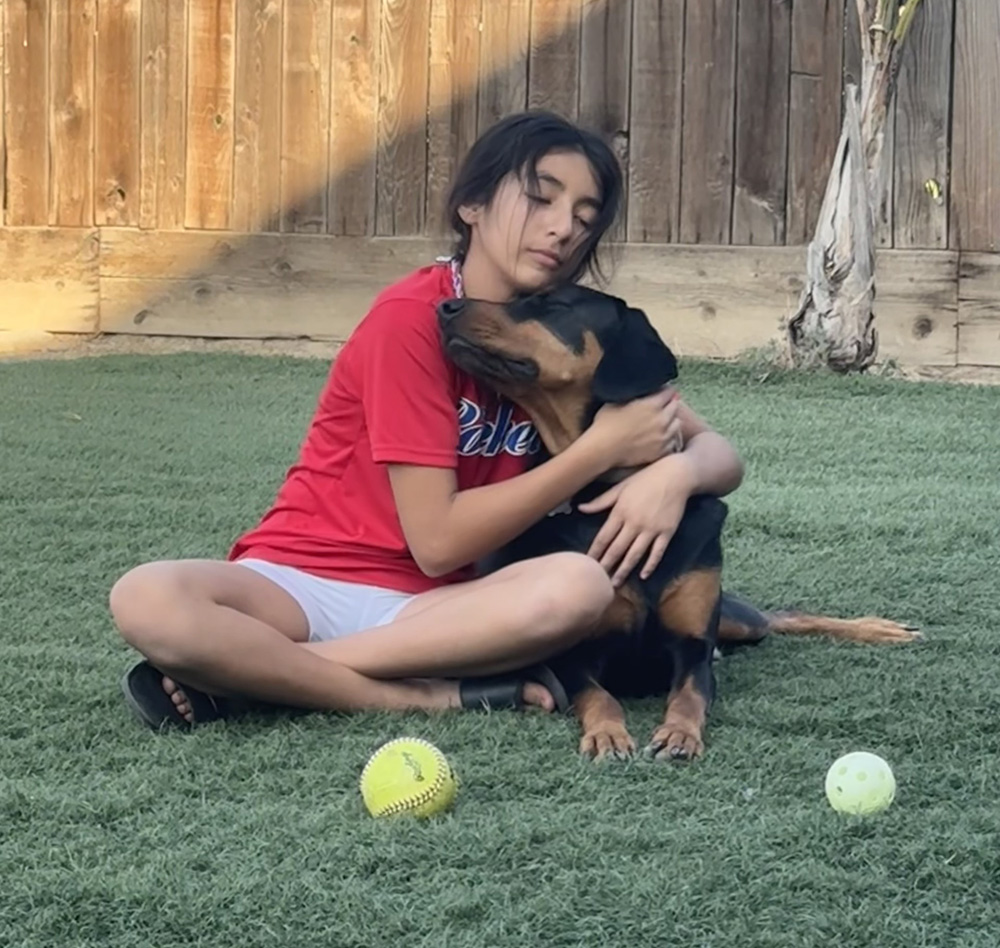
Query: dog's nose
{"type": "Point", "coordinates": [449, 309]}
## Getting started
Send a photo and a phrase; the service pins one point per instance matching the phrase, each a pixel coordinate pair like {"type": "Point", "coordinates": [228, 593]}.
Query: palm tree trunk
{"type": "Point", "coordinates": [835, 321]}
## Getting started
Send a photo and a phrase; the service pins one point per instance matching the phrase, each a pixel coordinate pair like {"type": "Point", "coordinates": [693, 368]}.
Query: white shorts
{"type": "Point", "coordinates": [333, 608]}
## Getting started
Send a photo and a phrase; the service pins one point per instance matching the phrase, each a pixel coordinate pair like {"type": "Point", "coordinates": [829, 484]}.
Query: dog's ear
{"type": "Point", "coordinates": [636, 361]}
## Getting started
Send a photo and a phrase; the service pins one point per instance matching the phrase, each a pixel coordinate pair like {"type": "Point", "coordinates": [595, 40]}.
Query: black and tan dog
{"type": "Point", "coordinates": [560, 356]}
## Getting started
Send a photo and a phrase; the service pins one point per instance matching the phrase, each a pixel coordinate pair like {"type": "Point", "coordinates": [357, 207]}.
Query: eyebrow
{"type": "Point", "coordinates": [555, 182]}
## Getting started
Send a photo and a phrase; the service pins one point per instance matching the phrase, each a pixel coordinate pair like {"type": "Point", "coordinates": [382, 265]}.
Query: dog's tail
{"type": "Point", "coordinates": [742, 622]}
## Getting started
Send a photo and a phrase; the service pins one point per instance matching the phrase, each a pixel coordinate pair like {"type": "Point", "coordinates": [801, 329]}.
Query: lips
{"type": "Point", "coordinates": [547, 258]}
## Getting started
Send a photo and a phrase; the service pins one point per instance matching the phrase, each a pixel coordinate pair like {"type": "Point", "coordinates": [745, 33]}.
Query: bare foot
{"type": "Point", "coordinates": [179, 699]}
{"type": "Point", "coordinates": [430, 693]}
{"type": "Point", "coordinates": [535, 696]}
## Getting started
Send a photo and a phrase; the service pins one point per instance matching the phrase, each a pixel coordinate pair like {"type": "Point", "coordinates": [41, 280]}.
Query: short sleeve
{"type": "Point", "coordinates": [410, 408]}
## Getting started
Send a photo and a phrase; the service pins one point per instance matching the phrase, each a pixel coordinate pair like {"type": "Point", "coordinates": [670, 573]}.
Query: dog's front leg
{"type": "Point", "coordinates": [602, 720]}
{"type": "Point", "coordinates": [689, 612]}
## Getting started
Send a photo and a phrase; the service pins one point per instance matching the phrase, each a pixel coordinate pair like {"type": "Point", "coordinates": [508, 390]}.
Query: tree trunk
{"type": "Point", "coordinates": [835, 322]}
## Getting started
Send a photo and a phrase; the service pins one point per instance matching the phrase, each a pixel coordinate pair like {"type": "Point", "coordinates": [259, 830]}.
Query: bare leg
{"type": "Point", "coordinates": [227, 630]}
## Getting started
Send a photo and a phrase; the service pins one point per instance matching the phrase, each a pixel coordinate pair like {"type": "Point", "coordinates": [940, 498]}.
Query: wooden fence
{"type": "Point", "coordinates": [261, 167]}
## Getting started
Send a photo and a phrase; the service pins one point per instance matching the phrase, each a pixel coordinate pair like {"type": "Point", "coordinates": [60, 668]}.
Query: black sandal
{"type": "Point", "coordinates": [506, 692]}
{"type": "Point", "coordinates": [142, 686]}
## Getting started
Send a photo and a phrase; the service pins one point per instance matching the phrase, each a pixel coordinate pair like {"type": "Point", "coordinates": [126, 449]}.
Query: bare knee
{"type": "Point", "coordinates": [566, 596]}
{"type": "Point", "coordinates": [151, 606]}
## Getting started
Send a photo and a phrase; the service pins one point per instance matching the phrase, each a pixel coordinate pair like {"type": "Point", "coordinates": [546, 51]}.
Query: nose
{"type": "Point", "coordinates": [449, 309]}
{"type": "Point", "coordinates": [561, 222]}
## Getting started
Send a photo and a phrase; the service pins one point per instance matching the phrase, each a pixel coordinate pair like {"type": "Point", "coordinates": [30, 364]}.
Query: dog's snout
{"type": "Point", "coordinates": [449, 309]}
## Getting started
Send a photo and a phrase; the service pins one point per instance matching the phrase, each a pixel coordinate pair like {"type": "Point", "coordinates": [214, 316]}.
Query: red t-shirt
{"type": "Point", "coordinates": [391, 396]}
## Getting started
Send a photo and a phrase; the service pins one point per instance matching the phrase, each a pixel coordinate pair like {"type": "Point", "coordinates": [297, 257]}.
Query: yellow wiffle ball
{"type": "Point", "coordinates": [408, 777]}
{"type": "Point", "coordinates": [861, 783]}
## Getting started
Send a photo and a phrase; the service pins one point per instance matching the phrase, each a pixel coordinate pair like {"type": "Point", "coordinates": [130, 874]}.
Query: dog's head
{"type": "Point", "coordinates": [560, 355]}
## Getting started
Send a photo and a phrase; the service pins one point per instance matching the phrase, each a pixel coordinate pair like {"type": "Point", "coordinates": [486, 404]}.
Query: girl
{"type": "Point", "coordinates": [357, 588]}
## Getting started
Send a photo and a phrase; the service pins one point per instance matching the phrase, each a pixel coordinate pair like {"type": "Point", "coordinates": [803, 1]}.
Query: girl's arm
{"type": "Point", "coordinates": [644, 510]}
{"type": "Point", "coordinates": [447, 529]}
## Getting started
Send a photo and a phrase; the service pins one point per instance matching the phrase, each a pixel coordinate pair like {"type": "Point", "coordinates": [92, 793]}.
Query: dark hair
{"type": "Point", "coordinates": [515, 145]}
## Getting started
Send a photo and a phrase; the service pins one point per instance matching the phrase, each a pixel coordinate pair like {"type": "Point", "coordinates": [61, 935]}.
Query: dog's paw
{"type": "Point", "coordinates": [609, 739]}
{"type": "Point", "coordinates": [875, 630]}
{"type": "Point", "coordinates": [674, 742]}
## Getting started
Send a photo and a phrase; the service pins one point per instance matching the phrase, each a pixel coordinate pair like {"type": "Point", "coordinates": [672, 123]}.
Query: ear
{"type": "Point", "coordinates": [470, 213]}
{"type": "Point", "coordinates": [636, 361]}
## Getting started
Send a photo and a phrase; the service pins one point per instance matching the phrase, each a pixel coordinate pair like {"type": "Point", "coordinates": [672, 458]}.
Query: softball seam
{"type": "Point", "coordinates": [424, 796]}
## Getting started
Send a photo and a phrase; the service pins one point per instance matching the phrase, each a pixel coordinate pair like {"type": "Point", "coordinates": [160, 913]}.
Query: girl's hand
{"type": "Point", "coordinates": [645, 511]}
{"type": "Point", "coordinates": [639, 432]}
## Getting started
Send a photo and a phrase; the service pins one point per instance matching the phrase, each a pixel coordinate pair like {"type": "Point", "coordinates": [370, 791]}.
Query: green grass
{"type": "Point", "coordinates": [863, 495]}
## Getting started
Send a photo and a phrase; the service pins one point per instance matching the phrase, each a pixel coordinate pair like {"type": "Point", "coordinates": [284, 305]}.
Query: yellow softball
{"type": "Point", "coordinates": [408, 777]}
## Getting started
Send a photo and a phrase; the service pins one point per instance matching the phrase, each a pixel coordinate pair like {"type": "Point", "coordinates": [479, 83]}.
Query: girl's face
{"type": "Point", "coordinates": [526, 239]}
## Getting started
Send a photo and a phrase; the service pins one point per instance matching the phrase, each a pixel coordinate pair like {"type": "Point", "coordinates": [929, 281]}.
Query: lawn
{"type": "Point", "coordinates": [862, 496]}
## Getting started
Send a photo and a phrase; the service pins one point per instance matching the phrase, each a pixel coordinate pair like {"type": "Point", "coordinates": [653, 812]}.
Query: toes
{"type": "Point", "coordinates": [538, 696]}
{"type": "Point", "coordinates": [600, 745]}
{"type": "Point", "coordinates": [178, 697]}
{"type": "Point", "coordinates": [674, 745]}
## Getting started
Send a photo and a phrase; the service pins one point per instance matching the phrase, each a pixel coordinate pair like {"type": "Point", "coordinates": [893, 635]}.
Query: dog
{"type": "Point", "coordinates": [560, 356]}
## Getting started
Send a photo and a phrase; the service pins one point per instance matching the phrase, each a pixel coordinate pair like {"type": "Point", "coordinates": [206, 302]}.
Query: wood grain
{"type": "Point", "coordinates": [707, 151]}
{"type": "Point", "coordinates": [706, 301]}
{"type": "Point", "coordinates": [762, 67]}
{"type": "Point", "coordinates": [48, 279]}
{"type": "Point", "coordinates": [257, 116]}
{"type": "Point", "coordinates": [209, 170]}
{"type": "Point", "coordinates": [71, 115]}
{"type": "Point", "coordinates": [605, 49]}
{"type": "Point", "coordinates": [923, 119]}
{"type": "Point", "coordinates": [162, 151]}
{"type": "Point", "coordinates": [401, 177]}
{"type": "Point", "coordinates": [975, 196]}
{"type": "Point", "coordinates": [503, 80]}
{"type": "Point", "coordinates": [353, 117]}
{"type": "Point", "coordinates": [654, 197]}
{"type": "Point", "coordinates": [27, 157]}
{"type": "Point", "coordinates": [305, 123]}
{"type": "Point", "coordinates": [979, 309]}
{"type": "Point", "coordinates": [554, 59]}
{"type": "Point", "coordinates": [453, 107]}
{"type": "Point", "coordinates": [814, 104]}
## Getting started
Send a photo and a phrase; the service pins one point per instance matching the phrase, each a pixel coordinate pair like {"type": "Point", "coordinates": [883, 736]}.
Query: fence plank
{"type": "Point", "coordinates": [257, 116]}
{"type": "Point", "coordinates": [503, 83]}
{"type": "Point", "coordinates": [305, 116]}
{"type": "Point", "coordinates": [706, 301]}
{"type": "Point", "coordinates": [162, 158]}
{"type": "Point", "coordinates": [979, 309]}
{"type": "Point", "coordinates": [453, 119]}
{"type": "Point", "coordinates": [655, 123]}
{"type": "Point", "coordinates": [975, 195]}
{"type": "Point", "coordinates": [72, 113]}
{"type": "Point", "coordinates": [554, 61]}
{"type": "Point", "coordinates": [27, 27]}
{"type": "Point", "coordinates": [353, 117]}
{"type": "Point", "coordinates": [3, 111]}
{"type": "Point", "coordinates": [605, 52]}
{"type": "Point", "coordinates": [923, 117]}
{"type": "Point", "coordinates": [209, 184]}
{"type": "Point", "coordinates": [262, 285]}
{"type": "Point", "coordinates": [761, 122]}
{"type": "Point", "coordinates": [401, 175]}
{"type": "Point", "coordinates": [48, 279]}
{"type": "Point", "coordinates": [709, 104]}
{"type": "Point", "coordinates": [817, 58]}
{"type": "Point", "coordinates": [116, 161]}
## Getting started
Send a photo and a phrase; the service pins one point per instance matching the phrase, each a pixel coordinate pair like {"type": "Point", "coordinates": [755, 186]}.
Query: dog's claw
{"type": "Point", "coordinates": [674, 744]}
{"type": "Point", "coordinates": [608, 741]}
